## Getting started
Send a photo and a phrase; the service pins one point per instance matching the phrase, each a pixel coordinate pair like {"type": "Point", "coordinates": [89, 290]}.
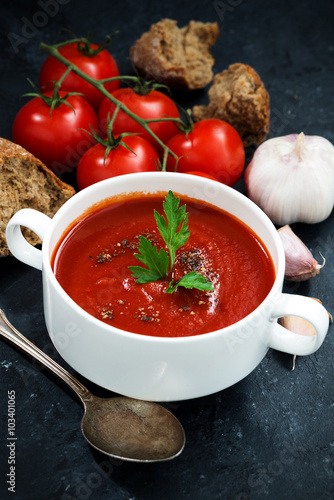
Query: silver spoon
{"type": "Point", "coordinates": [125, 428]}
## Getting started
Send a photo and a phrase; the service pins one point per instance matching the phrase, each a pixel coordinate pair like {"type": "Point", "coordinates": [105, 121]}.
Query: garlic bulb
{"type": "Point", "coordinates": [291, 178]}
{"type": "Point", "coordinates": [300, 265]}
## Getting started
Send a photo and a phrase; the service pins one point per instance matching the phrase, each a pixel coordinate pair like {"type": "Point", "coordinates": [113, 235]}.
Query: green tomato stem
{"type": "Point", "coordinates": [111, 122]}
{"type": "Point", "coordinates": [53, 51]}
{"type": "Point", "coordinates": [62, 78]}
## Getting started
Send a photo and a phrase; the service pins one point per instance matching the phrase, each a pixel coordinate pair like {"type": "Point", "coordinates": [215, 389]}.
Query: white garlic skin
{"type": "Point", "coordinates": [291, 178]}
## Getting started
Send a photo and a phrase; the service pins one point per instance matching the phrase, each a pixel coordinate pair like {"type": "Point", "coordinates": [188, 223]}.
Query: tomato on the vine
{"type": "Point", "coordinates": [152, 105]}
{"type": "Point", "coordinates": [56, 136]}
{"type": "Point", "coordinates": [98, 65]}
{"type": "Point", "coordinates": [96, 166]}
{"type": "Point", "coordinates": [212, 146]}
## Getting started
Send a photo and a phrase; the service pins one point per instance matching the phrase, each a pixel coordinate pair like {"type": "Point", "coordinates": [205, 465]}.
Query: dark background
{"type": "Point", "coordinates": [271, 435]}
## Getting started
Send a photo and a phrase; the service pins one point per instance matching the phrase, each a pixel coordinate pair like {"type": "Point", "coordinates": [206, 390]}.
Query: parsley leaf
{"type": "Point", "coordinates": [191, 280]}
{"type": "Point", "coordinates": [176, 216]}
{"type": "Point", "coordinates": [156, 262]}
{"type": "Point", "coordinates": [174, 230]}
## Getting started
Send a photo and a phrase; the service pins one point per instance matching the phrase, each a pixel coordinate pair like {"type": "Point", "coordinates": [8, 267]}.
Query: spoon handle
{"type": "Point", "coordinates": [9, 332]}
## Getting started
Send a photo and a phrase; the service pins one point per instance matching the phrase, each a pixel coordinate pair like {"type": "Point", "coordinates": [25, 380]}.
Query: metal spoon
{"type": "Point", "coordinates": [125, 428]}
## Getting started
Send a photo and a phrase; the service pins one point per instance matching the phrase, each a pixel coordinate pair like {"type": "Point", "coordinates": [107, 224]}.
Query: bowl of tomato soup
{"type": "Point", "coordinates": [138, 338]}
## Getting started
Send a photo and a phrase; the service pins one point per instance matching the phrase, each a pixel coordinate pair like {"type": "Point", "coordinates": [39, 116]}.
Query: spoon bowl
{"type": "Point", "coordinates": [132, 429]}
{"type": "Point", "coordinates": [121, 427]}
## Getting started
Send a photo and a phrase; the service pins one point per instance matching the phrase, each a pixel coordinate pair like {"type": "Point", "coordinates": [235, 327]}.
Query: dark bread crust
{"type": "Point", "coordinates": [239, 97]}
{"type": "Point", "coordinates": [177, 57]}
{"type": "Point", "coordinates": [25, 182]}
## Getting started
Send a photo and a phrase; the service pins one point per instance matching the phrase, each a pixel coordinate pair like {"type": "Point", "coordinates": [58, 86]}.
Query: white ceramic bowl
{"type": "Point", "coordinates": [164, 369]}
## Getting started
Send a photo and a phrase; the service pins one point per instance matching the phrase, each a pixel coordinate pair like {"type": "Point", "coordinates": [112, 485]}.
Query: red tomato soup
{"type": "Point", "coordinates": [92, 259]}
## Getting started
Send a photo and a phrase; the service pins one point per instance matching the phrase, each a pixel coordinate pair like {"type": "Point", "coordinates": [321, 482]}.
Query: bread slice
{"type": "Point", "coordinates": [239, 97]}
{"type": "Point", "coordinates": [25, 182]}
{"type": "Point", "coordinates": [177, 57]}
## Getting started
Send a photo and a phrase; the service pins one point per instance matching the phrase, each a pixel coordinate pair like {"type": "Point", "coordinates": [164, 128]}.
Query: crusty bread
{"type": "Point", "coordinates": [25, 182]}
{"type": "Point", "coordinates": [177, 57]}
{"type": "Point", "coordinates": [239, 97]}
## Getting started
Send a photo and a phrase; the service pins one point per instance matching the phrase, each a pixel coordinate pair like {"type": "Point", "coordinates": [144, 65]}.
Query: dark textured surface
{"type": "Point", "coordinates": [271, 435]}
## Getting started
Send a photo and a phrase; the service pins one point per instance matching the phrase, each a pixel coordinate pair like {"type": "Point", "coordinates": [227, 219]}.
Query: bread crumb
{"type": "Point", "coordinates": [239, 97]}
{"type": "Point", "coordinates": [177, 57]}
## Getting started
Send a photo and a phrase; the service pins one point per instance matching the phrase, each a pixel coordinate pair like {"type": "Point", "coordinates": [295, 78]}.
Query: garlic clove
{"type": "Point", "coordinates": [291, 178]}
{"type": "Point", "coordinates": [300, 326]}
{"type": "Point", "coordinates": [300, 265]}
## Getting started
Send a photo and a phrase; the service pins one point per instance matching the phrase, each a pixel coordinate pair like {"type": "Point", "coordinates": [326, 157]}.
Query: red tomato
{"type": "Point", "coordinates": [202, 174]}
{"type": "Point", "coordinates": [55, 139]}
{"type": "Point", "coordinates": [99, 66]}
{"type": "Point", "coordinates": [153, 105]}
{"type": "Point", "coordinates": [213, 147]}
{"type": "Point", "coordinates": [119, 161]}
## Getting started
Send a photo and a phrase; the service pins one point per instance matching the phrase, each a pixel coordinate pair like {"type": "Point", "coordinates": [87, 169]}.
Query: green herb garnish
{"type": "Point", "coordinates": [191, 280]}
{"type": "Point", "coordinates": [156, 262]}
{"type": "Point", "coordinates": [175, 233]}
{"type": "Point", "coordinates": [176, 217]}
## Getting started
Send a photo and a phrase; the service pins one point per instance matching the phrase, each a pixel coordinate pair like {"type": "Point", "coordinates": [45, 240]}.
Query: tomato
{"type": "Point", "coordinates": [153, 105]}
{"type": "Point", "coordinates": [99, 66]}
{"type": "Point", "coordinates": [55, 139]}
{"type": "Point", "coordinates": [202, 174]}
{"type": "Point", "coordinates": [213, 147]}
{"type": "Point", "coordinates": [92, 167]}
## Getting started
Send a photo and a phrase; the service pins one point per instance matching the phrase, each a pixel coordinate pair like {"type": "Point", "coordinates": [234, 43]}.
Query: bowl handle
{"type": "Point", "coordinates": [17, 244]}
{"type": "Point", "coordinates": [296, 305]}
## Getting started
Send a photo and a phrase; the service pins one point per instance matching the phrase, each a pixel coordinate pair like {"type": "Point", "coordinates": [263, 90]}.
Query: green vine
{"type": "Point", "coordinates": [84, 44]}
{"type": "Point", "coordinates": [99, 84]}
{"type": "Point", "coordinates": [111, 142]}
{"type": "Point", "coordinates": [55, 100]}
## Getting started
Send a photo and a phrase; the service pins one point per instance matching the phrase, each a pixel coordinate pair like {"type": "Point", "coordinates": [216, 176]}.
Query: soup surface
{"type": "Point", "coordinates": [92, 258]}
